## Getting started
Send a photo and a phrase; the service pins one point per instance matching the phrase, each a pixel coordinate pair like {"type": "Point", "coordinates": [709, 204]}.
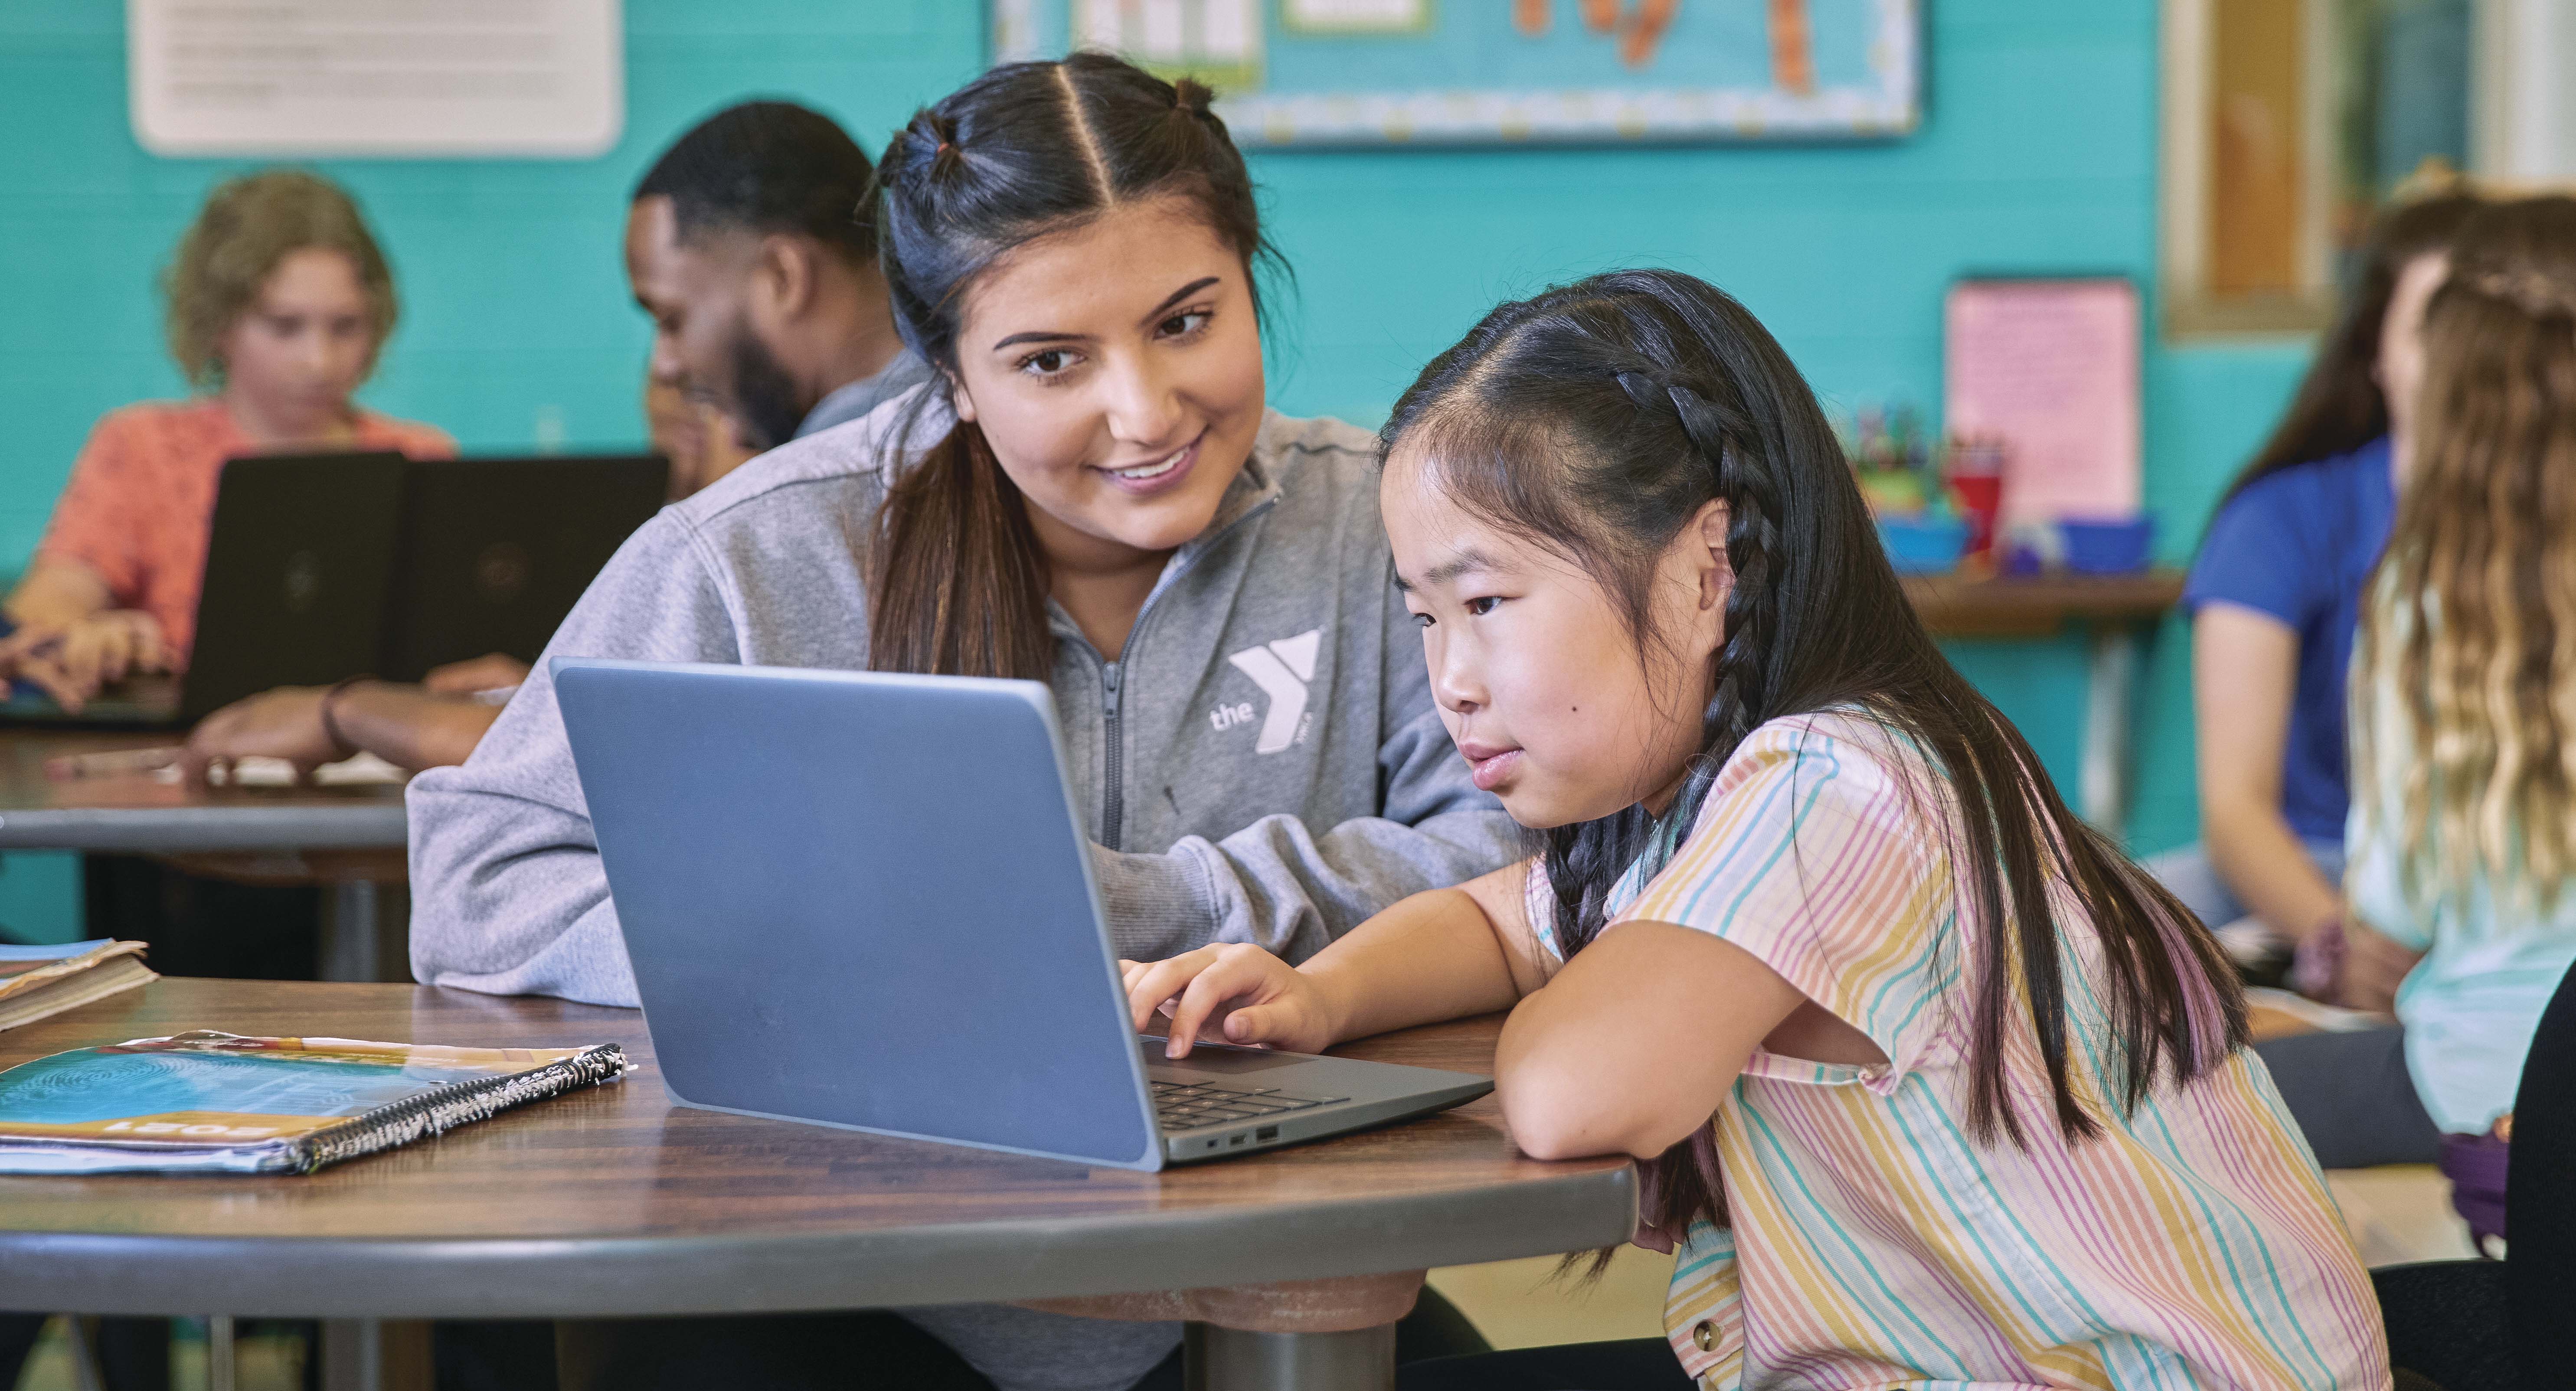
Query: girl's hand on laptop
{"type": "Point", "coordinates": [1231, 993]}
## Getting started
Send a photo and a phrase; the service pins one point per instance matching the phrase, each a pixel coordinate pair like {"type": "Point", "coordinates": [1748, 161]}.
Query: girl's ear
{"type": "Point", "coordinates": [1716, 572]}
{"type": "Point", "coordinates": [959, 397]}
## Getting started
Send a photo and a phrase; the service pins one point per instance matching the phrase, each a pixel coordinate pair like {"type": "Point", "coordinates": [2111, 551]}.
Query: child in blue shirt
{"type": "Point", "coordinates": [2274, 597]}
{"type": "Point", "coordinates": [2463, 825]}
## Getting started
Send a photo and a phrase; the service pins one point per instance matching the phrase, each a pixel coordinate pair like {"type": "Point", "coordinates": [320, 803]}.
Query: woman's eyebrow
{"type": "Point", "coordinates": [1158, 311]}
{"type": "Point", "coordinates": [1176, 297]}
{"type": "Point", "coordinates": [1041, 336]}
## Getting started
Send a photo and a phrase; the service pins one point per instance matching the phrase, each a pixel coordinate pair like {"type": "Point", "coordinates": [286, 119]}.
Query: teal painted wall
{"type": "Point", "coordinates": [2039, 155]}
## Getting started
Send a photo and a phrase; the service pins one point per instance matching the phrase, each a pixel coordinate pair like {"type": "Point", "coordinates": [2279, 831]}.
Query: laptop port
{"type": "Point", "coordinates": [1235, 1139]}
{"type": "Point", "coordinates": [1267, 1132]}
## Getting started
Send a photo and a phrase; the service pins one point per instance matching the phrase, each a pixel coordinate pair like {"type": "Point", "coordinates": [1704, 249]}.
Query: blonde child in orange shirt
{"type": "Point", "coordinates": [279, 301]}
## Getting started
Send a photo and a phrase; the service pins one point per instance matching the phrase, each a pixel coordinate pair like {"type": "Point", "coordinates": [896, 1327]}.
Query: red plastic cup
{"type": "Point", "coordinates": [1980, 497]}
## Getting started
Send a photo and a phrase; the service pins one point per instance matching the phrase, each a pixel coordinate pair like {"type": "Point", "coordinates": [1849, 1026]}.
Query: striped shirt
{"type": "Point", "coordinates": [1874, 1242]}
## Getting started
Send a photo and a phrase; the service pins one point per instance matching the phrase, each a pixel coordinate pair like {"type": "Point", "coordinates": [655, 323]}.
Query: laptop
{"type": "Point", "coordinates": [865, 900]}
{"type": "Point", "coordinates": [494, 552]}
{"type": "Point", "coordinates": [325, 566]}
{"type": "Point", "coordinates": [300, 550]}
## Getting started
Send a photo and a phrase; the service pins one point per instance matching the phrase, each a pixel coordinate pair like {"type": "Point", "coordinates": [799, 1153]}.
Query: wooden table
{"type": "Point", "coordinates": [615, 1201]}
{"type": "Point", "coordinates": [2115, 609]}
{"type": "Point", "coordinates": [348, 839]}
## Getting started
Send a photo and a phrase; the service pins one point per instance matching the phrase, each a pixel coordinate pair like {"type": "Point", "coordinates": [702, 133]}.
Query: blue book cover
{"type": "Point", "coordinates": [209, 1102]}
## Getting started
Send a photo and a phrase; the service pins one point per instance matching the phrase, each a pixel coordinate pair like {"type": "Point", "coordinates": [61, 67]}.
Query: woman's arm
{"type": "Point", "coordinates": [1291, 890]}
{"type": "Point", "coordinates": [55, 593]}
{"type": "Point", "coordinates": [2244, 670]}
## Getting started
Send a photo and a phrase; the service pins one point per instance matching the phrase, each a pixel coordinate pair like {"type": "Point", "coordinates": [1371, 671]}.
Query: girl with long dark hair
{"type": "Point", "coordinates": [1090, 492]}
{"type": "Point", "coordinates": [1930, 1083]}
{"type": "Point", "coordinates": [2274, 596]}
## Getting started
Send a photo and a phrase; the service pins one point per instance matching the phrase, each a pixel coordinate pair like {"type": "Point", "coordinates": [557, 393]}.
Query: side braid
{"type": "Point", "coordinates": [1741, 697]}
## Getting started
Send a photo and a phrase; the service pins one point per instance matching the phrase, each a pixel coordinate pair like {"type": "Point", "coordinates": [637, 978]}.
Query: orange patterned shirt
{"type": "Point", "coordinates": [142, 498]}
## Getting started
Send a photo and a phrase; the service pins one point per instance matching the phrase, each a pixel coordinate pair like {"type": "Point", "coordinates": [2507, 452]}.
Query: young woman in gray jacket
{"type": "Point", "coordinates": [1089, 493]}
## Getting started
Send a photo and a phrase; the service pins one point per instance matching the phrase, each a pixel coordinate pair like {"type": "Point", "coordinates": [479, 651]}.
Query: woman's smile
{"type": "Point", "coordinates": [1156, 475]}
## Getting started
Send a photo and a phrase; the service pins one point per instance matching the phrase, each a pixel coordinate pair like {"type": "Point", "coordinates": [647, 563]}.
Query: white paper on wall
{"type": "Point", "coordinates": [388, 78]}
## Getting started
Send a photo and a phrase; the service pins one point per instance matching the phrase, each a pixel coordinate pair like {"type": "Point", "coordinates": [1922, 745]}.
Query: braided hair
{"type": "Point", "coordinates": [1022, 152]}
{"type": "Point", "coordinates": [1596, 420]}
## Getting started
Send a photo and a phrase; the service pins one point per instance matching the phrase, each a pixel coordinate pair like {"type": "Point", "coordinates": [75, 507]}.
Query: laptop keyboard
{"type": "Point", "coordinates": [1189, 1105]}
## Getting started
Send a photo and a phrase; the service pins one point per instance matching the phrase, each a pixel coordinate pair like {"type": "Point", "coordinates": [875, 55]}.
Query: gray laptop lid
{"type": "Point", "coordinates": [846, 896]}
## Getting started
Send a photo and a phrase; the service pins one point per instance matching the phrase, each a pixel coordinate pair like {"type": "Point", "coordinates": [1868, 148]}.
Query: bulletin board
{"type": "Point", "coordinates": [1451, 72]}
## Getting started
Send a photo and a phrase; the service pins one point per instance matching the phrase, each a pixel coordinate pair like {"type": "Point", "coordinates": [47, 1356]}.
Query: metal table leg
{"type": "Point", "coordinates": [364, 931]}
{"type": "Point", "coordinates": [81, 1331]}
{"type": "Point", "coordinates": [375, 1355]}
{"type": "Point", "coordinates": [2110, 672]}
{"type": "Point", "coordinates": [1226, 1359]}
{"type": "Point", "coordinates": [220, 1367]}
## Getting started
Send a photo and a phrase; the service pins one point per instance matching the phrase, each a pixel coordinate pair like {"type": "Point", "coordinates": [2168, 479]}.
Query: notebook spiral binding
{"type": "Point", "coordinates": [460, 1103]}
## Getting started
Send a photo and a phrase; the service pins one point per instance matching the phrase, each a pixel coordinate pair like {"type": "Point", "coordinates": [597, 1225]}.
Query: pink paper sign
{"type": "Point", "coordinates": [2051, 367]}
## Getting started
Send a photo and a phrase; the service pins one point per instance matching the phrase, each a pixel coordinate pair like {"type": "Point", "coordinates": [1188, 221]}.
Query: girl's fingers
{"type": "Point", "coordinates": [47, 675]}
{"type": "Point", "coordinates": [1212, 987]}
{"type": "Point", "coordinates": [1252, 1024]}
{"type": "Point", "coordinates": [1162, 980]}
{"type": "Point", "coordinates": [151, 651]}
{"type": "Point", "coordinates": [115, 652]}
{"type": "Point", "coordinates": [1240, 976]}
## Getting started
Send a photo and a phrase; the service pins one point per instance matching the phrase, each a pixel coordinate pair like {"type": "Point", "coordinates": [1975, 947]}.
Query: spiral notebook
{"type": "Point", "coordinates": [208, 1102]}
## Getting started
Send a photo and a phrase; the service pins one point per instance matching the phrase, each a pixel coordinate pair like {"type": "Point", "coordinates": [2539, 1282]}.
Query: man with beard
{"type": "Point", "coordinates": [750, 244]}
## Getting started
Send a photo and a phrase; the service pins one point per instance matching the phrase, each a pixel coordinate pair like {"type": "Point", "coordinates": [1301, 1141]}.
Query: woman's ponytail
{"type": "Point", "coordinates": [958, 587]}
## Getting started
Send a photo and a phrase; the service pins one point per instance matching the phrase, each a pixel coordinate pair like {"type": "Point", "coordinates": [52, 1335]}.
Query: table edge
{"type": "Point", "coordinates": [981, 1262]}
{"type": "Point", "coordinates": [359, 826]}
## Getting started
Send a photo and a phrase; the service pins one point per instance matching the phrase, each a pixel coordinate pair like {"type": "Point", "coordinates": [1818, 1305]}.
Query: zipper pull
{"type": "Point", "coordinates": [1109, 684]}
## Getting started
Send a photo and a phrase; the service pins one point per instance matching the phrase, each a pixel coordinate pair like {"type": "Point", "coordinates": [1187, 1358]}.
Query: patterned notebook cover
{"type": "Point", "coordinates": [208, 1102]}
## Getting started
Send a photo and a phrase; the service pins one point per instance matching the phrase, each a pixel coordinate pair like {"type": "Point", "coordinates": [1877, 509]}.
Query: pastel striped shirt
{"type": "Point", "coordinates": [1873, 1241]}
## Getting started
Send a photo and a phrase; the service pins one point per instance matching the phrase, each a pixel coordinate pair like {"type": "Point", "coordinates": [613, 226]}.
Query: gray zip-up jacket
{"type": "Point", "coordinates": [1263, 763]}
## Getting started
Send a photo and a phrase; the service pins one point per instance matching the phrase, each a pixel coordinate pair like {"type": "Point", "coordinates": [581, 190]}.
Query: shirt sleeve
{"type": "Point", "coordinates": [1280, 885]}
{"type": "Point", "coordinates": [1813, 853]}
{"type": "Point", "coordinates": [2260, 555]}
{"type": "Point", "coordinates": [520, 900]}
{"type": "Point", "coordinates": [94, 522]}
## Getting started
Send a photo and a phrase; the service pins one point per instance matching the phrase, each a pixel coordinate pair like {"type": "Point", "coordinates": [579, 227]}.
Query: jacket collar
{"type": "Point", "coordinates": [1251, 493]}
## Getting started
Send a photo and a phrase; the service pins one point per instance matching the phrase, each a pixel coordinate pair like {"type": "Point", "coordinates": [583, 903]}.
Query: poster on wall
{"type": "Point", "coordinates": [384, 78]}
{"type": "Point", "coordinates": [1451, 72]}
{"type": "Point", "coordinates": [2050, 368]}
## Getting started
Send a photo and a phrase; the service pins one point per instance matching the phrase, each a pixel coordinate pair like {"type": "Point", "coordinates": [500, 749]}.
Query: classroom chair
{"type": "Point", "coordinates": [2508, 1325]}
